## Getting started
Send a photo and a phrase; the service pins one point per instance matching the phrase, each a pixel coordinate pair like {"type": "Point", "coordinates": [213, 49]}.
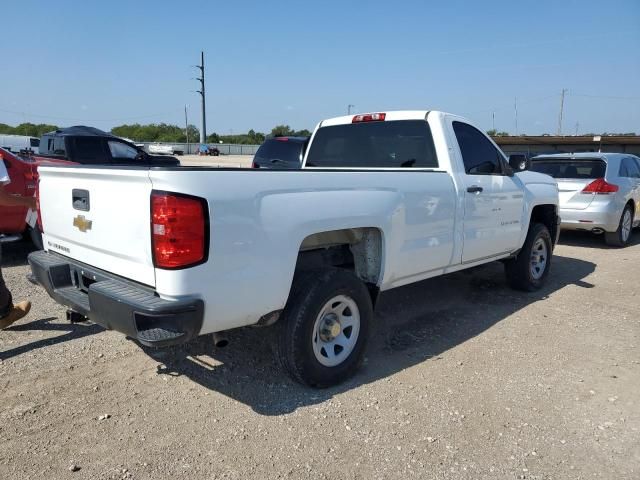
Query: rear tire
{"type": "Point", "coordinates": [620, 238]}
{"type": "Point", "coordinates": [325, 327]}
{"type": "Point", "coordinates": [529, 270]}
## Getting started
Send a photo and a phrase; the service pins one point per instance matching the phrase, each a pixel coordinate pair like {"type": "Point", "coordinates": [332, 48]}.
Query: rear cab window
{"type": "Point", "coordinates": [381, 144]}
{"type": "Point", "coordinates": [574, 169]}
{"type": "Point", "coordinates": [276, 150]}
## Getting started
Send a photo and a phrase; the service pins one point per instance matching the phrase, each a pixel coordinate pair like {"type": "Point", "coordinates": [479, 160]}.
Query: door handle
{"type": "Point", "coordinates": [474, 189]}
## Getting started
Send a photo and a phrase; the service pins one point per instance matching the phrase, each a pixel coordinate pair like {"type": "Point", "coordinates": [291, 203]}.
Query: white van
{"type": "Point", "coordinates": [20, 143]}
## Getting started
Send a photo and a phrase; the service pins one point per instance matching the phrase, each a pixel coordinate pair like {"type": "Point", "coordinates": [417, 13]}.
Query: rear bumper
{"type": "Point", "coordinates": [590, 219]}
{"type": "Point", "coordinates": [117, 304]}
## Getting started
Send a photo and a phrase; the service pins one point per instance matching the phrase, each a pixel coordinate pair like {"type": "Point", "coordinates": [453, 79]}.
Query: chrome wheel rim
{"type": "Point", "coordinates": [539, 258]}
{"type": "Point", "coordinates": [336, 330]}
{"type": "Point", "coordinates": [626, 225]}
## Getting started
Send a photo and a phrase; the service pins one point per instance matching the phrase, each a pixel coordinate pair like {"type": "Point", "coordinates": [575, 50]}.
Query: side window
{"type": "Point", "coordinates": [479, 155]}
{"type": "Point", "coordinates": [636, 161]}
{"type": "Point", "coordinates": [624, 170]}
{"type": "Point", "coordinates": [629, 168]}
{"type": "Point", "coordinates": [90, 150]}
{"type": "Point", "coordinates": [122, 151]}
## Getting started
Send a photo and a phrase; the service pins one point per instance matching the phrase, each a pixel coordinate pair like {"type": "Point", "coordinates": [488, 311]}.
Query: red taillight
{"type": "Point", "coordinates": [254, 165]}
{"type": "Point", "coordinates": [600, 186]}
{"type": "Point", "coordinates": [178, 230]}
{"type": "Point", "coordinates": [282, 139]}
{"type": "Point", "coordinates": [369, 117]}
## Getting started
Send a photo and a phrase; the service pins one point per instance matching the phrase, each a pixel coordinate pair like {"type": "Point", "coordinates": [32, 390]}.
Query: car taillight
{"type": "Point", "coordinates": [254, 165]}
{"type": "Point", "coordinates": [600, 186]}
{"type": "Point", "coordinates": [179, 230]}
{"type": "Point", "coordinates": [369, 117]}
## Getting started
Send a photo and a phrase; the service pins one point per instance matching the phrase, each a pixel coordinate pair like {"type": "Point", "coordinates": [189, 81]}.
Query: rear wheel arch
{"type": "Point", "coordinates": [359, 250]}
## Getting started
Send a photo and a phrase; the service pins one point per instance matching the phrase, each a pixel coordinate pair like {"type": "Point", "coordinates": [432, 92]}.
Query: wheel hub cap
{"type": "Point", "coordinates": [336, 330]}
{"type": "Point", "coordinates": [330, 328]}
{"type": "Point", "coordinates": [538, 258]}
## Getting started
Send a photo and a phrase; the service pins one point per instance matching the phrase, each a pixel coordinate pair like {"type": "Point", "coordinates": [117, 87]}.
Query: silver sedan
{"type": "Point", "coordinates": [599, 192]}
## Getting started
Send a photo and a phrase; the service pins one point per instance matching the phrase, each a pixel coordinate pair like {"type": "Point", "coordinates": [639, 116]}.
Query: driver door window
{"type": "Point", "coordinates": [122, 152]}
{"type": "Point", "coordinates": [479, 155]}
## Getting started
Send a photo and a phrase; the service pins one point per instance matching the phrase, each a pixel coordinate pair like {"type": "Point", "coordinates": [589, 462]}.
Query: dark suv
{"type": "Point", "coordinates": [281, 153]}
{"type": "Point", "coordinates": [88, 145]}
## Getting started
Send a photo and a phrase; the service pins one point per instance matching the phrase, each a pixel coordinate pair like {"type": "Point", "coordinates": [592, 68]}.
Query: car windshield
{"type": "Point", "coordinates": [570, 168]}
{"type": "Point", "coordinates": [279, 150]}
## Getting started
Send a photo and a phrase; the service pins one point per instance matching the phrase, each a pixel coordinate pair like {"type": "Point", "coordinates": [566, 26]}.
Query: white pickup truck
{"type": "Point", "coordinates": [163, 254]}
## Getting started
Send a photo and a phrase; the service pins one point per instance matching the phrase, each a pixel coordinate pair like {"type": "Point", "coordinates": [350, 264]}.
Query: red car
{"type": "Point", "coordinates": [24, 179]}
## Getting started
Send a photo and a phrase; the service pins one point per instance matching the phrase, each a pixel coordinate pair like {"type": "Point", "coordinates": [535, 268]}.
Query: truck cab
{"type": "Point", "coordinates": [91, 146]}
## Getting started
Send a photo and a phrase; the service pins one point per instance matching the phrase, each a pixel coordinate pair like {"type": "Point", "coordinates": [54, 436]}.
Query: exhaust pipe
{"type": "Point", "coordinates": [597, 231]}
{"type": "Point", "coordinates": [220, 340]}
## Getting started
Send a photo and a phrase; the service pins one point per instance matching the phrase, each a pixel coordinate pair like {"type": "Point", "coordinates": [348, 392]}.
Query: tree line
{"type": "Point", "coordinates": [163, 132]}
{"type": "Point", "coordinates": [28, 129]}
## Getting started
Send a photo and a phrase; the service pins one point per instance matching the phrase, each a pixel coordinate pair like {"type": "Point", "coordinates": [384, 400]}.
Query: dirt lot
{"type": "Point", "coordinates": [464, 379]}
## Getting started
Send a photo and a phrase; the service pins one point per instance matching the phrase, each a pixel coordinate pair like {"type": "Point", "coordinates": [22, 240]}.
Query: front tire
{"type": "Point", "coordinates": [529, 270]}
{"type": "Point", "coordinates": [325, 327]}
{"type": "Point", "coordinates": [620, 238]}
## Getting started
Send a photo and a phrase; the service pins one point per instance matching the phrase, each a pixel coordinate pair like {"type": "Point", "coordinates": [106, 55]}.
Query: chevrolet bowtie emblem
{"type": "Point", "coordinates": [82, 223]}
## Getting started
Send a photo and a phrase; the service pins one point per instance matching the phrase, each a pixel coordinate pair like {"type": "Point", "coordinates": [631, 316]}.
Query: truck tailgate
{"type": "Point", "coordinates": [100, 217]}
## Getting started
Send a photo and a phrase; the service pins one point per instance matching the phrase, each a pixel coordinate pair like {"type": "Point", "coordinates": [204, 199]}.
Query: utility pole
{"type": "Point", "coordinates": [577, 125]}
{"type": "Point", "coordinates": [186, 127]}
{"type": "Point", "coordinates": [493, 121]}
{"type": "Point", "coordinates": [203, 132]}
{"type": "Point", "coordinates": [564, 90]}
{"type": "Point", "coordinates": [515, 107]}
{"type": "Point", "coordinates": [349, 107]}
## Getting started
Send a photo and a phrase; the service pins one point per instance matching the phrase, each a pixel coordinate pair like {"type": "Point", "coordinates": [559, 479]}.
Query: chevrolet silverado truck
{"type": "Point", "coordinates": [164, 254]}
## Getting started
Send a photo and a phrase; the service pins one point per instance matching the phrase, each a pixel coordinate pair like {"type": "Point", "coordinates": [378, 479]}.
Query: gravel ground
{"type": "Point", "coordinates": [464, 379]}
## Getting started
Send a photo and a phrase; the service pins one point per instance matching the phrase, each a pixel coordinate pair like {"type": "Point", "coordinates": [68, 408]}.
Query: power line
{"type": "Point", "coordinates": [610, 97]}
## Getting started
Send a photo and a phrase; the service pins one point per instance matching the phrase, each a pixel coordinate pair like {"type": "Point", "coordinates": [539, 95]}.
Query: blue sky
{"type": "Point", "coordinates": [108, 63]}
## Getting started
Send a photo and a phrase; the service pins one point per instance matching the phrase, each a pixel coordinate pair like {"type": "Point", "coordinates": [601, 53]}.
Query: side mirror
{"type": "Point", "coordinates": [519, 162]}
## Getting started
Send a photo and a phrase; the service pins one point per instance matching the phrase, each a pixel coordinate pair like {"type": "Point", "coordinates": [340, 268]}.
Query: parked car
{"type": "Point", "coordinates": [208, 150]}
{"type": "Point", "coordinates": [164, 149]}
{"type": "Point", "coordinates": [599, 192]}
{"type": "Point", "coordinates": [382, 200]}
{"type": "Point", "coordinates": [19, 143]}
{"type": "Point", "coordinates": [88, 145]}
{"type": "Point", "coordinates": [281, 152]}
{"type": "Point", "coordinates": [23, 172]}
